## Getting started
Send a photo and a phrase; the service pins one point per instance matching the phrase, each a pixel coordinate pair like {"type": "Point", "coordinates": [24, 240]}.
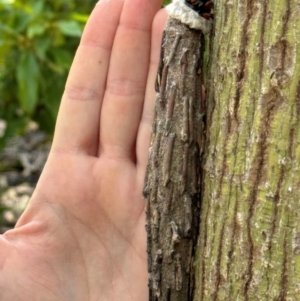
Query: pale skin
{"type": "Point", "coordinates": [82, 236]}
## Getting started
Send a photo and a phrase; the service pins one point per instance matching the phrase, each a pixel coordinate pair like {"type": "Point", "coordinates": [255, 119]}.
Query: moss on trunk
{"type": "Point", "coordinates": [249, 245]}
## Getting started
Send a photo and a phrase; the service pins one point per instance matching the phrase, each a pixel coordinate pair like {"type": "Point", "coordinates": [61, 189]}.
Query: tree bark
{"type": "Point", "coordinates": [172, 183]}
{"type": "Point", "coordinates": [249, 245]}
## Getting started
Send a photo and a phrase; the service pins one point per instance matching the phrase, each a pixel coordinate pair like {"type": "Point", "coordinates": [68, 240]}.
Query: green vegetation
{"type": "Point", "coordinates": [37, 43]}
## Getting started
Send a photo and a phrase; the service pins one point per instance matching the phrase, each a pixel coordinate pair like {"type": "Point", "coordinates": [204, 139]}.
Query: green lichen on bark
{"type": "Point", "coordinates": [249, 245]}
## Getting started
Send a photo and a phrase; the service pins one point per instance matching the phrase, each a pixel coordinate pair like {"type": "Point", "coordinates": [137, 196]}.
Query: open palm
{"type": "Point", "coordinates": [82, 236]}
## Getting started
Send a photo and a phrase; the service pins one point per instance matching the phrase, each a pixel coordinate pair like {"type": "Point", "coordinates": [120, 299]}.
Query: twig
{"type": "Point", "coordinates": [172, 185]}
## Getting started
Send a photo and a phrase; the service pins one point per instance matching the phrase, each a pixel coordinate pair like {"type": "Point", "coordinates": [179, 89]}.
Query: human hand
{"type": "Point", "coordinates": [83, 236]}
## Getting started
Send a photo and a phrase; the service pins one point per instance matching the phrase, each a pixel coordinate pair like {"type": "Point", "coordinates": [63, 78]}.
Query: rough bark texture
{"type": "Point", "coordinates": [173, 176]}
{"type": "Point", "coordinates": [249, 246]}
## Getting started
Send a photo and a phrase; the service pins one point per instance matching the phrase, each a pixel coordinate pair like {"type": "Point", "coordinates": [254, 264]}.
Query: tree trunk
{"type": "Point", "coordinates": [249, 244]}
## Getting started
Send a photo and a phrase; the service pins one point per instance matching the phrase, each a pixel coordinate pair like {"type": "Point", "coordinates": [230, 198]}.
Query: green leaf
{"type": "Point", "coordinates": [42, 44]}
{"type": "Point", "coordinates": [37, 6]}
{"type": "Point", "coordinates": [7, 29]}
{"type": "Point", "coordinates": [62, 57]}
{"type": "Point", "coordinates": [70, 28]}
{"type": "Point", "coordinates": [21, 22]}
{"type": "Point", "coordinates": [27, 78]}
{"type": "Point", "coordinates": [80, 17]}
{"type": "Point", "coordinates": [35, 29]}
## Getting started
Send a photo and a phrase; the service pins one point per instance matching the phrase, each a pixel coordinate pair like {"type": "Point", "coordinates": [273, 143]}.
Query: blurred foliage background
{"type": "Point", "coordinates": [38, 39]}
{"type": "Point", "coordinates": [37, 43]}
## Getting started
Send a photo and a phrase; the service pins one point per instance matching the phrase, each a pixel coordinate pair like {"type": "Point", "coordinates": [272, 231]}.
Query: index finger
{"type": "Point", "coordinates": [77, 124]}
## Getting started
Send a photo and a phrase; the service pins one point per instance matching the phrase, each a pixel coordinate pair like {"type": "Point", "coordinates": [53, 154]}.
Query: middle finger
{"type": "Point", "coordinates": [127, 77]}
